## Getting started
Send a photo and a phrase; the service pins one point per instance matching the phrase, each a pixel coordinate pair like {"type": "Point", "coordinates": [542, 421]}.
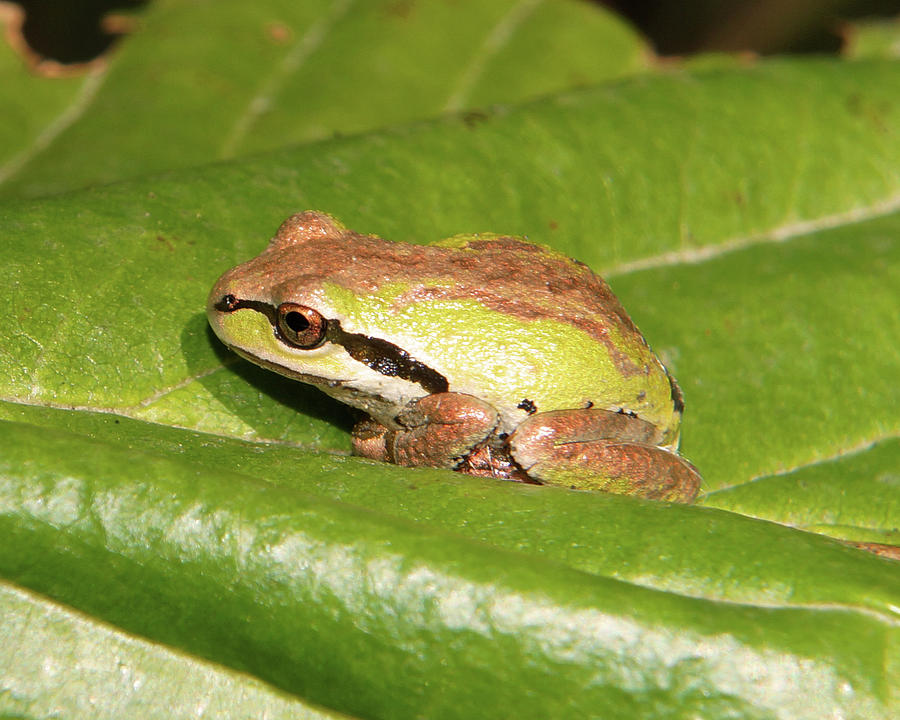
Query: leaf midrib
{"type": "Point", "coordinates": [773, 236]}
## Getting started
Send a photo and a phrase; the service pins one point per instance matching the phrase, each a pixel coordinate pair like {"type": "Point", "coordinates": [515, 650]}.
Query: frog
{"type": "Point", "coordinates": [481, 353]}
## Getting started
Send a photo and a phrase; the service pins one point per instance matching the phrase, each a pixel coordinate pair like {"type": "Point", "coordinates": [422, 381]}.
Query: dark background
{"type": "Point", "coordinates": [72, 32]}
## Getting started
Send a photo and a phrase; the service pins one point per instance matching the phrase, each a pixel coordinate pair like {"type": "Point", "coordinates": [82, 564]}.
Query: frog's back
{"type": "Point", "coordinates": [518, 324]}
{"type": "Point", "coordinates": [535, 282]}
{"type": "Point", "coordinates": [528, 329]}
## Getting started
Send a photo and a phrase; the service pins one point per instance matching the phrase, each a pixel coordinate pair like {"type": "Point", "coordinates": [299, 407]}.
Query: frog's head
{"type": "Point", "coordinates": [270, 302]}
{"type": "Point", "coordinates": [280, 310]}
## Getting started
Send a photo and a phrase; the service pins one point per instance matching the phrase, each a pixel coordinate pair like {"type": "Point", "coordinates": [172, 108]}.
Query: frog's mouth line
{"type": "Point", "coordinates": [376, 353]}
{"type": "Point", "coordinates": [283, 369]}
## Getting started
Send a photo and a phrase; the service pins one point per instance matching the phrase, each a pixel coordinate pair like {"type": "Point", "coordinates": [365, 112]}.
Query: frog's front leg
{"type": "Point", "coordinates": [592, 449]}
{"type": "Point", "coordinates": [438, 430]}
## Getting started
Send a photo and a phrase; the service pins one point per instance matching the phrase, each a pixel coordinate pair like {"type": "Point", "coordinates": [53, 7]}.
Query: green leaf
{"type": "Point", "coordinates": [59, 663]}
{"type": "Point", "coordinates": [199, 82]}
{"type": "Point", "coordinates": [747, 218]}
{"type": "Point", "coordinates": [754, 562]}
{"type": "Point", "coordinates": [325, 599]}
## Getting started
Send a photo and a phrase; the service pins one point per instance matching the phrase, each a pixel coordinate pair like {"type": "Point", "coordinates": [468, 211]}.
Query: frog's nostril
{"type": "Point", "coordinates": [228, 303]}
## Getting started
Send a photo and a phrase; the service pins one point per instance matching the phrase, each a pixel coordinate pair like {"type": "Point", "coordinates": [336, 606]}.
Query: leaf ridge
{"type": "Point", "coordinates": [862, 446]}
{"type": "Point", "coordinates": [777, 234]}
{"type": "Point", "coordinates": [131, 410]}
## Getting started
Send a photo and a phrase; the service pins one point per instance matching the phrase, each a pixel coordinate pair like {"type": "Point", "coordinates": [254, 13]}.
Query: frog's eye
{"type": "Point", "coordinates": [301, 326]}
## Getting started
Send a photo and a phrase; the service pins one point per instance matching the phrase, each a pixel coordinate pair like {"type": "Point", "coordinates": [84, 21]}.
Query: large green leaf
{"type": "Point", "coordinates": [747, 218]}
{"type": "Point", "coordinates": [201, 81]}
{"type": "Point", "coordinates": [330, 601]}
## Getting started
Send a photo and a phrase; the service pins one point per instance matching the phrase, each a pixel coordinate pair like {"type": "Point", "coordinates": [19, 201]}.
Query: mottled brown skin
{"type": "Point", "coordinates": [455, 431]}
{"type": "Point", "coordinates": [623, 446]}
{"type": "Point", "coordinates": [440, 430]}
{"type": "Point", "coordinates": [451, 430]}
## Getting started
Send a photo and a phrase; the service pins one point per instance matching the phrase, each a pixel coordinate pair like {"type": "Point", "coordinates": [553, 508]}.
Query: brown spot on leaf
{"type": "Point", "coordinates": [400, 8]}
{"type": "Point", "coordinates": [474, 118]}
{"type": "Point", "coordinates": [881, 549]}
{"type": "Point", "coordinates": [279, 33]}
{"type": "Point", "coordinates": [875, 114]}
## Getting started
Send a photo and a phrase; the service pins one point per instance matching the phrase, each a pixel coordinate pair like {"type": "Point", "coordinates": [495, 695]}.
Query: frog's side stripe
{"type": "Point", "coordinates": [382, 356]}
{"type": "Point", "coordinates": [386, 358]}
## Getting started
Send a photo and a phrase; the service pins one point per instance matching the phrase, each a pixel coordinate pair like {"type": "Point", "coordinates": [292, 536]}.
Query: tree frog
{"type": "Point", "coordinates": [482, 353]}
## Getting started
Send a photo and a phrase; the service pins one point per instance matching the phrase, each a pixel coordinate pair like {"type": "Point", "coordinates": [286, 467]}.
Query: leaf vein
{"type": "Point", "coordinates": [856, 448]}
{"type": "Point", "coordinates": [778, 234]}
{"type": "Point", "coordinates": [162, 392]}
{"type": "Point", "coordinates": [81, 102]}
{"type": "Point", "coordinates": [290, 64]}
{"type": "Point", "coordinates": [494, 42]}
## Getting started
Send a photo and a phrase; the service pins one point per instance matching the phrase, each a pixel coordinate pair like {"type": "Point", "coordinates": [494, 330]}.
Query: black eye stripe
{"type": "Point", "coordinates": [386, 358]}
{"type": "Point", "coordinates": [382, 356]}
{"type": "Point", "coordinates": [229, 304]}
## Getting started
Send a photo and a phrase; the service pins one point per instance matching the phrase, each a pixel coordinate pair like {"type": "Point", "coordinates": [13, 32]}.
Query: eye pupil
{"type": "Point", "coordinates": [301, 326]}
{"type": "Point", "coordinates": [296, 322]}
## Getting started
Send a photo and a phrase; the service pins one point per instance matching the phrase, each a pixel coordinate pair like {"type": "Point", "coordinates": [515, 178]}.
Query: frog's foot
{"type": "Point", "coordinates": [370, 440]}
{"type": "Point", "coordinates": [439, 430]}
{"type": "Point", "coordinates": [594, 449]}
